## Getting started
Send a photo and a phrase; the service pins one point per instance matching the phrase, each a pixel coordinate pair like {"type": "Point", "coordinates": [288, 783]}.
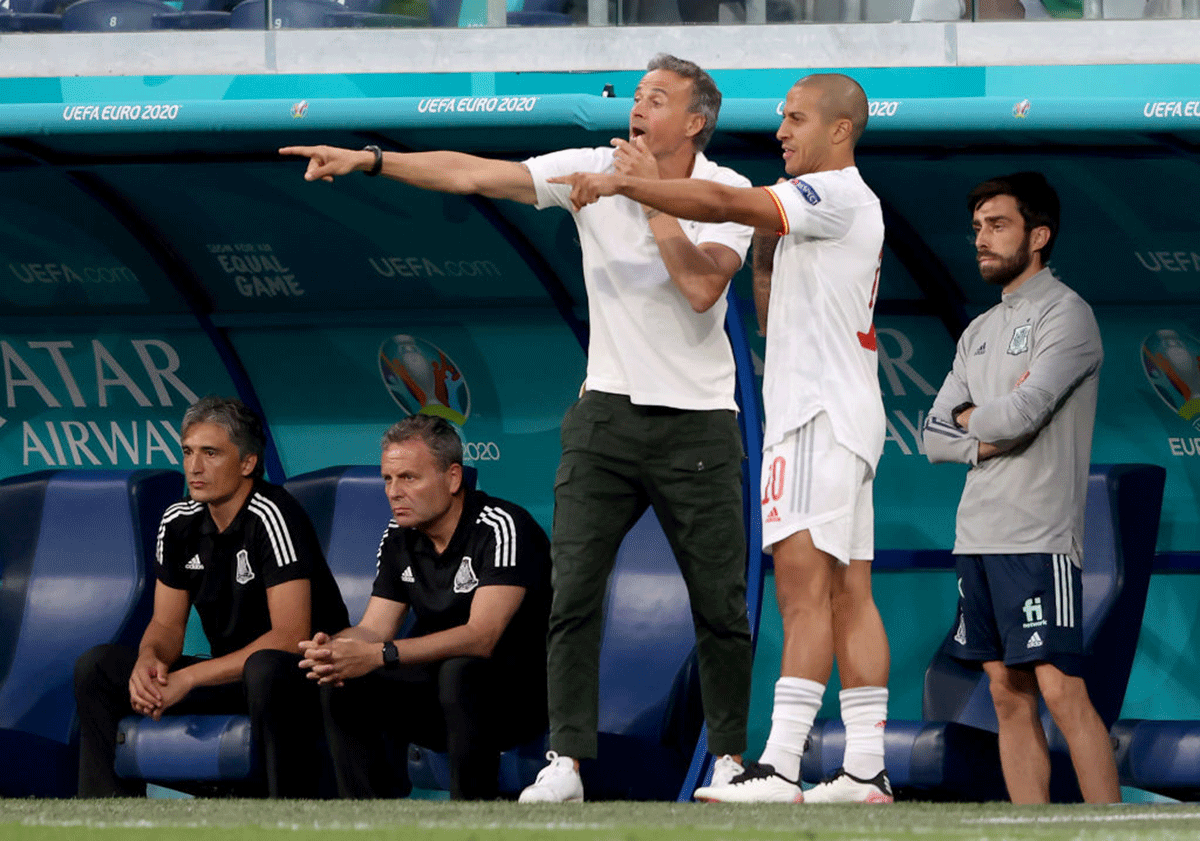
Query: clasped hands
{"type": "Point", "coordinates": [338, 659]}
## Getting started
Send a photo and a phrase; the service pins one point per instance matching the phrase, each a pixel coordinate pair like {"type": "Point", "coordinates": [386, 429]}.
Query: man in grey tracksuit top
{"type": "Point", "coordinates": [1019, 406]}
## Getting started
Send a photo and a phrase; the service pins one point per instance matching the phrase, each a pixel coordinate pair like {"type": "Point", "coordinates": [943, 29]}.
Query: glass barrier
{"type": "Point", "coordinates": [147, 15]}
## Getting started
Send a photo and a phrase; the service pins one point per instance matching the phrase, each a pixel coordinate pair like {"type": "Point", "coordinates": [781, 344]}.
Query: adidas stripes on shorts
{"type": "Point", "coordinates": [1021, 609]}
{"type": "Point", "coordinates": [810, 481]}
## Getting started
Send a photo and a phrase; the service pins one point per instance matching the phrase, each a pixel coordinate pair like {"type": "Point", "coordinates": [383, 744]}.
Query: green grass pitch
{"type": "Point", "coordinates": [258, 820]}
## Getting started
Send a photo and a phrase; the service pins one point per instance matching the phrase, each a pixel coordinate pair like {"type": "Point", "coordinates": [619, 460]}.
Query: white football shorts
{"type": "Point", "coordinates": [810, 481]}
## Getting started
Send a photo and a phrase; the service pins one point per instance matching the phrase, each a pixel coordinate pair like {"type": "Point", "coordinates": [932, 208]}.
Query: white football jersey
{"type": "Point", "coordinates": [821, 350]}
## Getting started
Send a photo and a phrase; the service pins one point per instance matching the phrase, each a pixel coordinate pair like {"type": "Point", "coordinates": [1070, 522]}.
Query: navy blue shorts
{"type": "Point", "coordinates": [1021, 609]}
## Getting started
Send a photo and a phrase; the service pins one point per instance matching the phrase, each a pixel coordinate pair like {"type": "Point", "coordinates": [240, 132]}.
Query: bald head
{"type": "Point", "coordinates": [841, 98]}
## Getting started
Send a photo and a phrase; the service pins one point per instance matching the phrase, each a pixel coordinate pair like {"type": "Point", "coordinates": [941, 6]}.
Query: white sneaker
{"type": "Point", "coordinates": [558, 782]}
{"type": "Point", "coordinates": [844, 787]}
{"type": "Point", "coordinates": [757, 784]}
{"type": "Point", "coordinates": [724, 770]}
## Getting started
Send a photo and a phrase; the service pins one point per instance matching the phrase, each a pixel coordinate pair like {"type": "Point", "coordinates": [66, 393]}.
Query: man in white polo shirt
{"type": "Point", "coordinates": [656, 423]}
{"type": "Point", "coordinates": [825, 428]}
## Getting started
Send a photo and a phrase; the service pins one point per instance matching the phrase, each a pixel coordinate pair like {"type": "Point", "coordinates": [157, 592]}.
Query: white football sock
{"type": "Point", "coordinates": [864, 713]}
{"type": "Point", "coordinates": [796, 703]}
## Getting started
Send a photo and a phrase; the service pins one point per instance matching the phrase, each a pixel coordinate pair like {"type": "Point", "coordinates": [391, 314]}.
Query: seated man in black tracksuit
{"type": "Point", "coordinates": [470, 679]}
{"type": "Point", "coordinates": [244, 554]}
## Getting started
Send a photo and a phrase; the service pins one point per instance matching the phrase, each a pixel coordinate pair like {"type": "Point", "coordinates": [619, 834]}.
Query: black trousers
{"type": "Point", "coordinates": [467, 707]}
{"type": "Point", "coordinates": [282, 705]}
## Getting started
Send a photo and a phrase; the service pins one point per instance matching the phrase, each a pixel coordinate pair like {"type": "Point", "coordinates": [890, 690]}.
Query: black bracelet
{"type": "Point", "coordinates": [378, 165]}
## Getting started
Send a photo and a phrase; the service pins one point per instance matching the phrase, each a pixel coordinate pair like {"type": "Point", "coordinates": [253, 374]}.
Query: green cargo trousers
{"type": "Point", "coordinates": [617, 459]}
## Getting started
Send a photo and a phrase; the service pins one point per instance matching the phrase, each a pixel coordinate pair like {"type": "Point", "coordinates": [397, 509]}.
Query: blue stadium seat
{"type": "Point", "coordinates": [953, 752]}
{"type": "Point", "coordinates": [349, 511]}
{"type": "Point", "coordinates": [77, 552]}
{"type": "Point", "coordinates": [650, 714]}
{"type": "Point", "coordinates": [291, 14]}
{"type": "Point", "coordinates": [114, 15]}
{"type": "Point", "coordinates": [1159, 756]}
{"type": "Point", "coordinates": [30, 16]}
{"type": "Point", "coordinates": [532, 13]}
{"type": "Point", "coordinates": [29, 22]}
{"type": "Point", "coordinates": [316, 14]}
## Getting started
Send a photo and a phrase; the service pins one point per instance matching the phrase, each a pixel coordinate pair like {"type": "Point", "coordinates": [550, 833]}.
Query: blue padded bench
{"type": "Point", "coordinates": [349, 512]}
{"type": "Point", "coordinates": [650, 712]}
{"type": "Point", "coordinates": [77, 550]}
{"type": "Point", "coordinates": [1159, 756]}
{"type": "Point", "coordinates": [953, 753]}
{"type": "Point", "coordinates": [649, 702]}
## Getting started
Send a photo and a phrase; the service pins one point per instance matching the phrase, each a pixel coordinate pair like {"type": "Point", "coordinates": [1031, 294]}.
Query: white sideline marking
{"type": "Point", "coordinates": [1137, 816]}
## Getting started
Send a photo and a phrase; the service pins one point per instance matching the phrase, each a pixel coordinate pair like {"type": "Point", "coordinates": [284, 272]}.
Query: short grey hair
{"type": "Point", "coordinates": [437, 434]}
{"type": "Point", "coordinates": [245, 428]}
{"type": "Point", "coordinates": [706, 99]}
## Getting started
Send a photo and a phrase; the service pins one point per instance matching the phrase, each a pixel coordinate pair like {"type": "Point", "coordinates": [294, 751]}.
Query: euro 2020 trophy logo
{"type": "Point", "coordinates": [422, 378]}
{"type": "Point", "coordinates": [1171, 361]}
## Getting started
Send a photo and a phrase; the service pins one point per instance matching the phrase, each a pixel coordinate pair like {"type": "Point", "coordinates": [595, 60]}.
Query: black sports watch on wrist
{"type": "Point", "coordinates": [959, 409]}
{"type": "Point", "coordinates": [377, 167]}
{"type": "Point", "coordinates": [391, 657]}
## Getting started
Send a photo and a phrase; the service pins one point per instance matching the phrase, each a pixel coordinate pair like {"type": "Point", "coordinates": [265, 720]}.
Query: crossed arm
{"type": "Point", "coordinates": [154, 688]}
{"type": "Point", "coordinates": [358, 650]}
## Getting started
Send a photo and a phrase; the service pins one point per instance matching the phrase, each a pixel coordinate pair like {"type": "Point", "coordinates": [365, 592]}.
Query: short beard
{"type": "Point", "coordinates": [1010, 267]}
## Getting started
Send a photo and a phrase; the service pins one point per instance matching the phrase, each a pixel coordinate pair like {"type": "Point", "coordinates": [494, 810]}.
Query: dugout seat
{"type": "Point", "coordinates": [315, 14]}
{"type": "Point", "coordinates": [30, 16]}
{"type": "Point", "coordinates": [349, 512]}
{"type": "Point", "coordinates": [650, 713]}
{"type": "Point", "coordinates": [532, 13]}
{"type": "Point", "coordinates": [953, 754]}
{"type": "Point", "coordinates": [76, 548]}
{"type": "Point", "coordinates": [29, 22]}
{"type": "Point", "coordinates": [114, 15]}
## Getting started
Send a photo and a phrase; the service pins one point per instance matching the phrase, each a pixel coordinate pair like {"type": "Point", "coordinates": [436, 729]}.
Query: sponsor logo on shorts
{"type": "Point", "coordinates": [1035, 641]}
{"type": "Point", "coordinates": [960, 636]}
{"type": "Point", "coordinates": [1019, 343]}
{"type": "Point", "coordinates": [1034, 616]}
{"type": "Point", "coordinates": [773, 515]}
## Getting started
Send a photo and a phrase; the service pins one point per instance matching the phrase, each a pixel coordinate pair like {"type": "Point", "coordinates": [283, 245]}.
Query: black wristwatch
{"type": "Point", "coordinates": [377, 167]}
{"type": "Point", "coordinates": [391, 657]}
{"type": "Point", "coordinates": [959, 409]}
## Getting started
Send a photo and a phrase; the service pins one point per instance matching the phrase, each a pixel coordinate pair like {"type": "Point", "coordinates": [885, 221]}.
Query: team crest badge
{"type": "Point", "coordinates": [1019, 343]}
{"type": "Point", "coordinates": [465, 580]}
{"type": "Point", "coordinates": [244, 573]}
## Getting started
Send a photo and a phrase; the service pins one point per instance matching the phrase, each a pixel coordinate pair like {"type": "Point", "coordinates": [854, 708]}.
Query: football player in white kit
{"type": "Point", "coordinates": [824, 428]}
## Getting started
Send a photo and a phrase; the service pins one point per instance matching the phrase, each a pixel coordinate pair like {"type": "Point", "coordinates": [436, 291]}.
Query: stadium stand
{"type": "Point", "coordinates": [76, 549]}
{"type": "Point", "coordinates": [952, 754]}
{"type": "Point", "coordinates": [30, 16]}
{"type": "Point", "coordinates": [532, 13]}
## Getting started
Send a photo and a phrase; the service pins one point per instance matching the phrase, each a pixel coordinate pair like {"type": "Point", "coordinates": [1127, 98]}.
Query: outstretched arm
{"type": "Point", "coordinates": [443, 172]}
{"type": "Point", "coordinates": [684, 198]}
